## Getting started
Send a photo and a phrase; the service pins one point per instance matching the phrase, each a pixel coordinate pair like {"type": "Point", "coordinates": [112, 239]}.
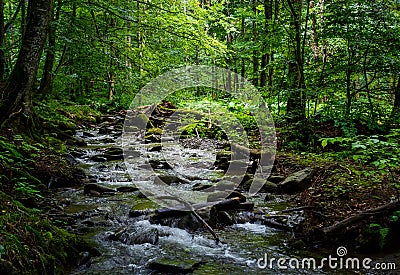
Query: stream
{"type": "Point", "coordinates": [130, 243]}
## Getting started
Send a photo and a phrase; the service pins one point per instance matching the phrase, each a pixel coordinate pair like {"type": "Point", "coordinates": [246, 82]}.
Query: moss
{"type": "Point", "coordinates": [154, 131]}
{"type": "Point", "coordinates": [144, 204]}
{"type": "Point", "coordinates": [34, 245]}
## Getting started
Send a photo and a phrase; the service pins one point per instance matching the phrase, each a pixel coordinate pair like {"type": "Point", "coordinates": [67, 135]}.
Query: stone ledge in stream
{"type": "Point", "coordinates": [127, 189]}
{"type": "Point", "coordinates": [169, 179]}
{"type": "Point", "coordinates": [113, 153]}
{"type": "Point", "coordinates": [133, 236]}
{"type": "Point", "coordinates": [169, 266]}
{"type": "Point", "coordinates": [267, 186]}
{"type": "Point", "coordinates": [95, 189]}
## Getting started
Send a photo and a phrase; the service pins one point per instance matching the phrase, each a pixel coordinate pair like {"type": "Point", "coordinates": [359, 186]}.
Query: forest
{"type": "Point", "coordinates": [199, 136]}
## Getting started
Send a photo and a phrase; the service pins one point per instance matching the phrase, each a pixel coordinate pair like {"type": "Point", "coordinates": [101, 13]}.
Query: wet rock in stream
{"type": "Point", "coordinates": [169, 179]}
{"type": "Point", "coordinates": [276, 178]}
{"type": "Point", "coordinates": [110, 154]}
{"type": "Point", "coordinates": [95, 189]}
{"type": "Point", "coordinates": [136, 236]}
{"type": "Point", "coordinates": [99, 158]}
{"type": "Point", "coordinates": [159, 164]}
{"type": "Point", "coordinates": [127, 189]}
{"type": "Point", "coordinates": [138, 213]}
{"type": "Point", "coordinates": [166, 266]}
{"type": "Point", "coordinates": [267, 186]}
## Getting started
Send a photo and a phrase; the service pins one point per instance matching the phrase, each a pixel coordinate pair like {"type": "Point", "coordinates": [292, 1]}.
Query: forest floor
{"type": "Point", "coordinates": [347, 185]}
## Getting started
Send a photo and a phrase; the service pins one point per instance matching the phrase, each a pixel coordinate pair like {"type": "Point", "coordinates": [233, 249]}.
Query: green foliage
{"type": "Point", "coordinates": [16, 166]}
{"type": "Point", "coordinates": [382, 232]}
{"type": "Point", "coordinates": [381, 151]}
{"type": "Point", "coordinates": [28, 241]}
{"type": "Point", "coordinates": [25, 188]}
{"type": "Point", "coordinates": [395, 216]}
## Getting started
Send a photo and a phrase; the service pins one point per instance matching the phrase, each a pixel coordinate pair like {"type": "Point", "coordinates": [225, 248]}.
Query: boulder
{"type": "Point", "coordinates": [276, 178]}
{"type": "Point", "coordinates": [140, 120]}
{"type": "Point", "coordinates": [168, 179]}
{"type": "Point", "coordinates": [74, 141]}
{"type": "Point", "coordinates": [222, 160]}
{"type": "Point", "coordinates": [236, 194]}
{"type": "Point", "coordinates": [127, 189]}
{"type": "Point", "coordinates": [267, 186]}
{"type": "Point", "coordinates": [99, 158]}
{"type": "Point", "coordinates": [138, 213]}
{"type": "Point", "coordinates": [135, 236]}
{"type": "Point", "coordinates": [106, 130]}
{"type": "Point", "coordinates": [298, 181]}
{"type": "Point", "coordinates": [150, 236]}
{"type": "Point", "coordinates": [224, 218]}
{"type": "Point", "coordinates": [114, 153]}
{"type": "Point", "coordinates": [95, 189]}
{"type": "Point", "coordinates": [201, 186]}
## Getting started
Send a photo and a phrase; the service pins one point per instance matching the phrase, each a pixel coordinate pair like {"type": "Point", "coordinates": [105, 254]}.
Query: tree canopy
{"type": "Point", "coordinates": [338, 59]}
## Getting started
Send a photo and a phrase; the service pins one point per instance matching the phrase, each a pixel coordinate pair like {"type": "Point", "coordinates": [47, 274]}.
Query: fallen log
{"type": "Point", "coordinates": [274, 224]}
{"type": "Point", "coordinates": [297, 209]}
{"type": "Point", "coordinates": [392, 206]}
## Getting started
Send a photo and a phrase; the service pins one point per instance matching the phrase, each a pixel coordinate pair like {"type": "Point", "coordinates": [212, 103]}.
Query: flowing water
{"type": "Point", "coordinates": [129, 244]}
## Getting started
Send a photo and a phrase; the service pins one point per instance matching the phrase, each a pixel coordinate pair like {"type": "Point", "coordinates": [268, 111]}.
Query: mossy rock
{"type": "Point", "coordinates": [154, 131]}
{"type": "Point", "coordinates": [67, 125]}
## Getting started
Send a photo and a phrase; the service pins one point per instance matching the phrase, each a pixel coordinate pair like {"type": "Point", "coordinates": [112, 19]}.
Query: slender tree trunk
{"type": "Point", "coordinates": [243, 33]}
{"type": "Point", "coordinates": [255, 51]}
{"type": "Point", "coordinates": [2, 36]}
{"type": "Point", "coordinates": [23, 17]}
{"type": "Point", "coordinates": [16, 97]}
{"type": "Point", "coordinates": [349, 72]}
{"type": "Point", "coordinates": [265, 59]}
{"type": "Point", "coordinates": [296, 84]}
{"type": "Point", "coordinates": [110, 74]}
{"type": "Point", "coordinates": [46, 83]}
{"type": "Point", "coordinates": [396, 104]}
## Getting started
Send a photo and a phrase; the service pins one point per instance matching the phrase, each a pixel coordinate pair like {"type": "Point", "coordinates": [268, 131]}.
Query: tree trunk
{"type": "Point", "coordinates": [110, 73]}
{"type": "Point", "coordinates": [296, 101]}
{"type": "Point", "coordinates": [255, 51]}
{"type": "Point", "coordinates": [16, 97]}
{"type": "Point", "coordinates": [23, 17]}
{"type": "Point", "coordinates": [46, 83]}
{"type": "Point", "coordinates": [396, 106]}
{"type": "Point", "coordinates": [243, 33]}
{"type": "Point", "coordinates": [265, 59]}
{"type": "Point", "coordinates": [2, 36]}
